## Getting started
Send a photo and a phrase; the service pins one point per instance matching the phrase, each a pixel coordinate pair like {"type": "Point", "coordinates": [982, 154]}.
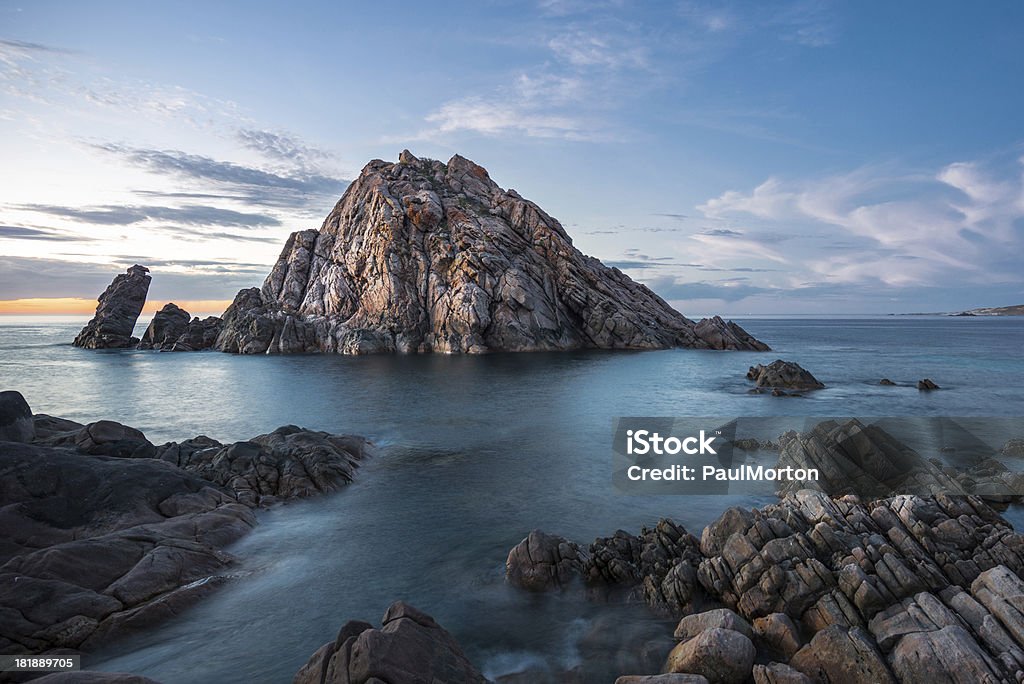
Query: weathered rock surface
{"type": "Point", "coordinates": [722, 656]}
{"type": "Point", "coordinates": [421, 256]}
{"type": "Point", "coordinates": [118, 310]}
{"type": "Point", "coordinates": [93, 547]}
{"type": "Point", "coordinates": [167, 326]}
{"type": "Point", "coordinates": [543, 561]}
{"type": "Point", "coordinates": [102, 533]}
{"type": "Point", "coordinates": [288, 463]}
{"type": "Point", "coordinates": [409, 648]}
{"type": "Point", "coordinates": [905, 589]}
{"type": "Point", "coordinates": [199, 334]}
{"type": "Point", "coordinates": [783, 375]}
{"type": "Point", "coordinates": [16, 423]}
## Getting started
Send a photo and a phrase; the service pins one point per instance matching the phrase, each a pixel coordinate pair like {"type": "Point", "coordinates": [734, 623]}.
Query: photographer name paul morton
{"type": "Point", "coordinates": [649, 443]}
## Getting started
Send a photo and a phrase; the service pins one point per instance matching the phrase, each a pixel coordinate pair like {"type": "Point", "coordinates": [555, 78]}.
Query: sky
{"type": "Point", "coordinates": [794, 157]}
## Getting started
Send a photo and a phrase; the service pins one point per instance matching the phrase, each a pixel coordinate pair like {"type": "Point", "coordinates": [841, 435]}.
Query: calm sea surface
{"type": "Point", "coordinates": [474, 453]}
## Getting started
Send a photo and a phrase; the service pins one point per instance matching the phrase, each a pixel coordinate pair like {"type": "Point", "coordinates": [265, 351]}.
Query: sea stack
{"type": "Point", "coordinates": [423, 256]}
{"type": "Point", "coordinates": [118, 310]}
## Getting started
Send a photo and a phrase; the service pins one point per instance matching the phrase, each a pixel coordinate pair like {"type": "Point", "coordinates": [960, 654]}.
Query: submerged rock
{"type": "Point", "coordinates": [783, 375]}
{"type": "Point", "coordinates": [421, 256]}
{"type": "Point", "coordinates": [409, 647]}
{"type": "Point", "coordinates": [118, 310]}
{"type": "Point", "coordinates": [927, 384]}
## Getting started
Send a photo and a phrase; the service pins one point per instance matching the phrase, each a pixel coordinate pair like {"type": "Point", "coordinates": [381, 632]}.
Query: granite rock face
{"type": "Point", "coordinates": [421, 256]}
{"type": "Point", "coordinates": [118, 310]}
{"type": "Point", "coordinates": [902, 589]}
{"type": "Point", "coordinates": [409, 647]}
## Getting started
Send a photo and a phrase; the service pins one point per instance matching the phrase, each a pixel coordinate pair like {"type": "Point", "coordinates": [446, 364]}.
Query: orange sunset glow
{"type": "Point", "coordinates": [70, 306]}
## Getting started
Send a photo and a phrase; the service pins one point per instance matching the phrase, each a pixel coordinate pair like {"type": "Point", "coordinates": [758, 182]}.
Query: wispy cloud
{"type": "Point", "coordinates": [908, 229]}
{"type": "Point", "coordinates": [296, 189]}
{"type": "Point", "coordinates": [190, 215]}
{"type": "Point", "coordinates": [44, 234]}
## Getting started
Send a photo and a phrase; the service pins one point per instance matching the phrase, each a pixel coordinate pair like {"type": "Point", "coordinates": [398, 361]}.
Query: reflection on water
{"type": "Point", "coordinates": [475, 452]}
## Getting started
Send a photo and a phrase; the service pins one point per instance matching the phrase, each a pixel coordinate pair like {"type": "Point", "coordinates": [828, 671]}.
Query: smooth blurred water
{"type": "Point", "coordinates": [474, 453]}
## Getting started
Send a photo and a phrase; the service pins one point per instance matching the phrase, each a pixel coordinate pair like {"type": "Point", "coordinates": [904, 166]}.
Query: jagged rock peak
{"type": "Point", "coordinates": [423, 256]}
{"type": "Point", "coordinates": [117, 310]}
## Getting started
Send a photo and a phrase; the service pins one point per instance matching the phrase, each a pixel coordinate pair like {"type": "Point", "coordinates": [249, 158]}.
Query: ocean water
{"type": "Point", "coordinates": [474, 452]}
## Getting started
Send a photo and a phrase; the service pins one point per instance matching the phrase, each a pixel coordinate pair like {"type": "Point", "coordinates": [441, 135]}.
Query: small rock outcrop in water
{"type": "Point", "coordinates": [926, 384]}
{"type": "Point", "coordinates": [105, 533]}
{"type": "Point", "coordinates": [784, 375]}
{"type": "Point", "coordinates": [421, 256]}
{"type": "Point", "coordinates": [409, 647]}
{"type": "Point", "coordinates": [118, 310]}
{"type": "Point", "coordinates": [167, 326]}
{"type": "Point", "coordinates": [887, 382]}
{"type": "Point", "coordinates": [173, 329]}
{"type": "Point", "coordinates": [904, 589]}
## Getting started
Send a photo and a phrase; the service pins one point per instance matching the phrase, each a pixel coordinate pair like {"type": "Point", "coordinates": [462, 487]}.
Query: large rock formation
{"type": "Point", "coordinates": [118, 310]}
{"type": "Point", "coordinates": [103, 533]}
{"type": "Point", "coordinates": [421, 256]}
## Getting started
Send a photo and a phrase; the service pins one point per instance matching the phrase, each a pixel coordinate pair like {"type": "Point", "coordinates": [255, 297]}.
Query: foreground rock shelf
{"type": "Point", "coordinates": [103, 533]}
{"type": "Point", "coordinates": [814, 589]}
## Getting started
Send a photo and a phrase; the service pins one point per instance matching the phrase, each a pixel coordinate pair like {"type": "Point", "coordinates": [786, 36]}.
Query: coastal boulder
{"type": "Point", "coordinates": [722, 656]}
{"type": "Point", "coordinates": [117, 311]}
{"type": "Point", "coordinates": [543, 561]}
{"type": "Point", "coordinates": [409, 647]}
{"type": "Point", "coordinates": [839, 654]}
{"type": "Point", "coordinates": [927, 384]}
{"type": "Point", "coordinates": [167, 326]}
{"type": "Point", "coordinates": [16, 424]}
{"type": "Point", "coordinates": [783, 375]}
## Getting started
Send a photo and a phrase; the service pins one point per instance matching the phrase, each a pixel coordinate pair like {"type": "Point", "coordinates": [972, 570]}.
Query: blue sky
{"type": "Point", "coordinates": [800, 157]}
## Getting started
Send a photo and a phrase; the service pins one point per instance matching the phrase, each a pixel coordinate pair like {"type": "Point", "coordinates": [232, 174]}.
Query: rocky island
{"type": "Point", "coordinates": [423, 256]}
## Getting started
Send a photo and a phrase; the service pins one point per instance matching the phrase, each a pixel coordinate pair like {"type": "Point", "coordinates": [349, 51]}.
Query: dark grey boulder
{"type": "Point", "coordinates": [16, 423]}
{"type": "Point", "coordinates": [783, 375]}
{"type": "Point", "coordinates": [927, 384]}
{"type": "Point", "coordinates": [199, 334]}
{"type": "Point", "coordinates": [168, 324]}
{"type": "Point", "coordinates": [118, 310]}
